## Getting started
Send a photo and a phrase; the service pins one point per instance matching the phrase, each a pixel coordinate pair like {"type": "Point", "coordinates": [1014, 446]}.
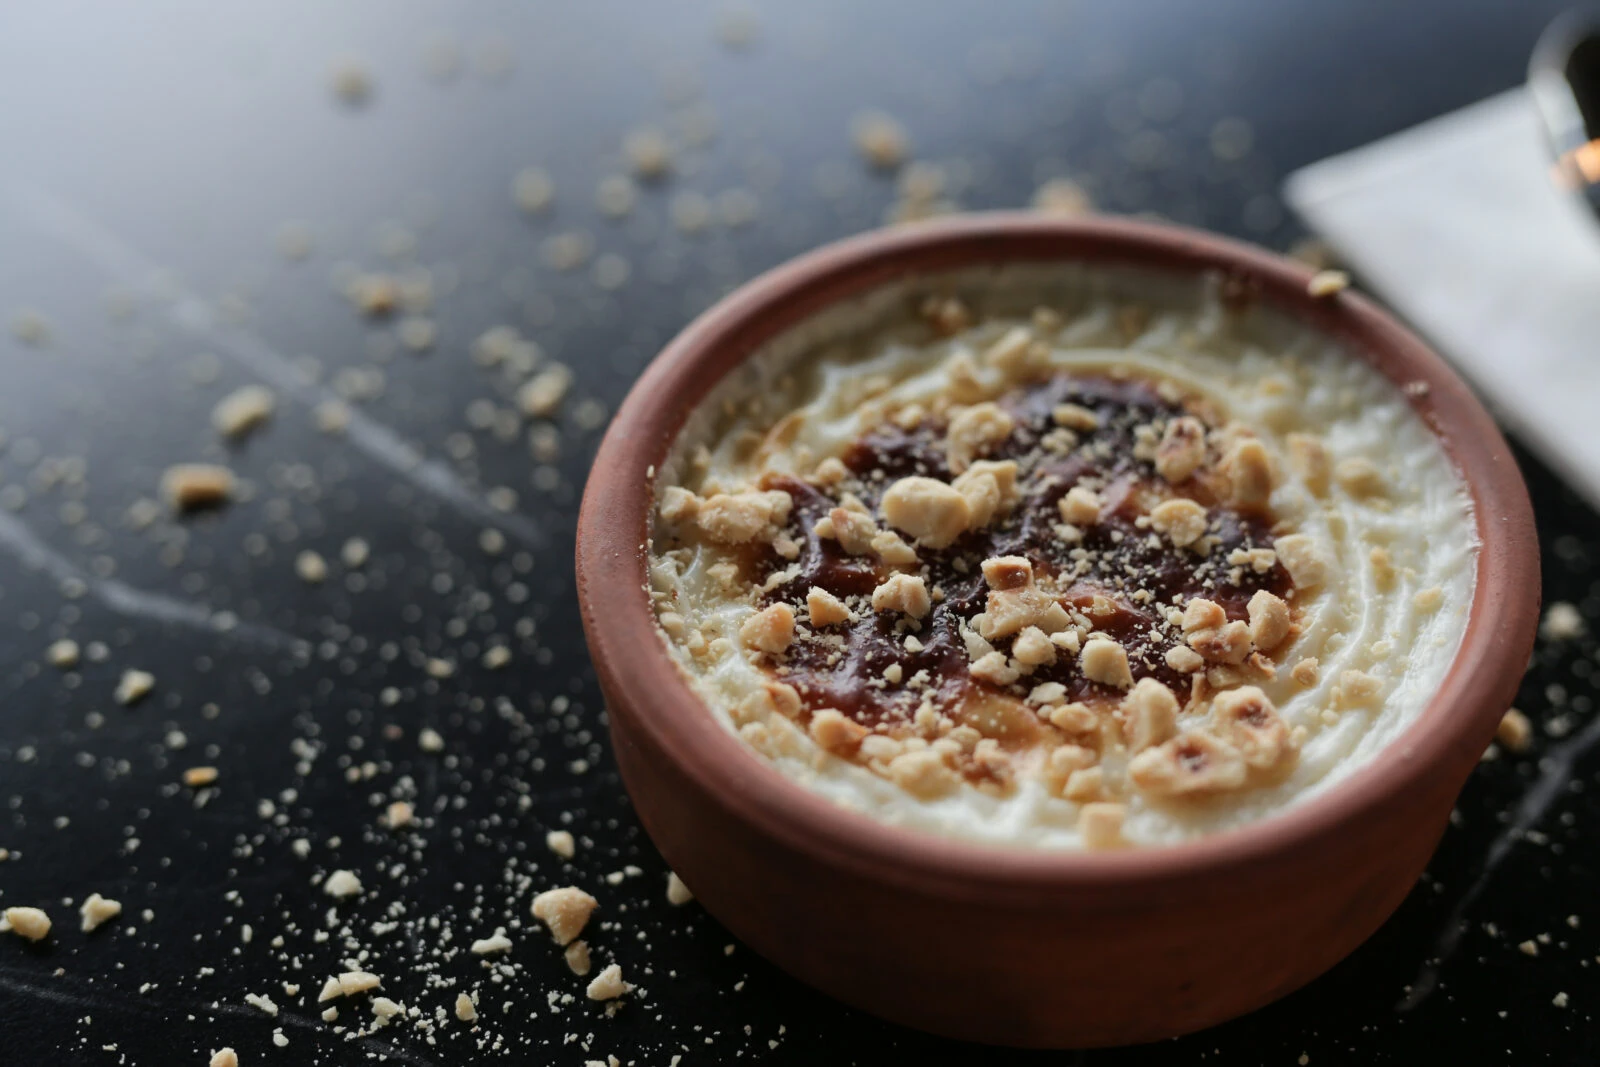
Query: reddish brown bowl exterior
{"type": "Point", "coordinates": [1012, 946]}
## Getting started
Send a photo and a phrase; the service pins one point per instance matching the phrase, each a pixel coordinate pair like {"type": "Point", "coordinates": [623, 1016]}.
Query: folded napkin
{"type": "Point", "coordinates": [1457, 226]}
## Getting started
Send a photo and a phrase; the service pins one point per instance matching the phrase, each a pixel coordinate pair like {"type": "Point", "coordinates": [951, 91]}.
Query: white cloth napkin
{"type": "Point", "coordinates": [1456, 225]}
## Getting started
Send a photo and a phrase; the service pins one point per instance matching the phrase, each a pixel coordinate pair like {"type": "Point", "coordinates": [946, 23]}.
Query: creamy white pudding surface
{"type": "Point", "coordinates": [1058, 558]}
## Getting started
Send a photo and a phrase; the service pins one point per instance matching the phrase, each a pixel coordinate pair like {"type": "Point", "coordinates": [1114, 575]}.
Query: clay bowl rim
{"type": "Point", "coordinates": [1455, 725]}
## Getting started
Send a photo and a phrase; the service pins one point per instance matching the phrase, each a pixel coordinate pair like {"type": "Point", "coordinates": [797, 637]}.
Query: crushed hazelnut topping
{"type": "Point", "coordinates": [224, 1057]}
{"type": "Point", "coordinates": [853, 530]}
{"type": "Point", "coordinates": [834, 732]}
{"type": "Point", "coordinates": [1247, 720]}
{"type": "Point", "coordinates": [892, 550]}
{"type": "Point", "coordinates": [923, 773]}
{"type": "Point", "coordinates": [1106, 662]}
{"type": "Point", "coordinates": [933, 513]}
{"type": "Point", "coordinates": [1015, 603]}
{"type": "Point", "coordinates": [1304, 561]}
{"type": "Point", "coordinates": [1149, 715]}
{"type": "Point", "coordinates": [1033, 648]}
{"type": "Point", "coordinates": [992, 667]}
{"type": "Point", "coordinates": [1270, 621]}
{"type": "Point", "coordinates": [466, 1010]}
{"type": "Point", "coordinates": [1183, 521]}
{"type": "Point", "coordinates": [1309, 460]}
{"type": "Point", "coordinates": [1306, 672]}
{"type": "Point", "coordinates": [1184, 659]}
{"type": "Point", "coordinates": [1194, 762]}
{"type": "Point", "coordinates": [1101, 825]}
{"type": "Point", "coordinates": [1249, 473]}
{"type": "Point", "coordinates": [1080, 506]}
{"type": "Point", "coordinates": [735, 518]}
{"type": "Point", "coordinates": [988, 488]}
{"type": "Point", "coordinates": [1359, 477]}
{"type": "Point", "coordinates": [824, 608]}
{"type": "Point", "coordinates": [678, 505]}
{"type": "Point", "coordinates": [770, 630]}
{"type": "Point", "coordinates": [1229, 643]}
{"type": "Point", "coordinates": [1358, 688]}
{"type": "Point", "coordinates": [1202, 614]}
{"type": "Point", "coordinates": [975, 430]}
{"type": "Point", "coordinates": [1182, 449]}
{"type": "Point", "coordinates": [1030, 544]}
{"type": "Point", "coordinates": [903, 593]}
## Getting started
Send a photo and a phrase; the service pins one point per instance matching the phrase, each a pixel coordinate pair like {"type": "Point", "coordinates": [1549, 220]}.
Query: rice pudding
{"type": "Point", "coordinates": [1061, 558]}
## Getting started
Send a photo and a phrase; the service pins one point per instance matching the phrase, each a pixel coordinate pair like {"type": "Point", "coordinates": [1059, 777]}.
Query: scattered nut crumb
{"type": "Point", "coordinates": [197, 486]}
{"type": "Point", "coordinates": [577, 957]}
{"type": "Point", "coordinates": [564, 911]}
{"type": "Point", "coordinates": [880, 139]}
{"type": "Point", "coordinates": [342, 884]}
{"type": "Point", "coordinates": [398, 814]}
{"type": "Point", "coordinates": [1514, 731]}
{"type": "Point", "coordinates": [608, 984]}
{"type": "Point", "coordinates": [348, 984]}
{"type": "Point", "coordinates": [243, 411]}
{"type": "Point", "coordinates": [352, 82]}
{"type": "Point", "coordinates": [1562, 622]}
{"type": "Point", "coordinates": [678, 894]}
{"type": "Point", "coordinates": [95, 910]}
{"type": "Point", "coordinates": [561, 842]}
{"type": "Point", "coordinates": [62, 654]}
{"type": "Point", "coordinates": [311, 567]}
{"type": "Point", "coordinates": [199, 777]}
{"type": "Point", "coordinates": [31, 923]}
{"type": "Point", "coordinates": [489, 946]}
{"type": "Point", "coordinates": [133, 687]}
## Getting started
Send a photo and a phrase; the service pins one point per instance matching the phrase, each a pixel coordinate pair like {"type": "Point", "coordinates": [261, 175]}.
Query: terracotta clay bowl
{"type": "Point", "coordinates": [1007, 945]}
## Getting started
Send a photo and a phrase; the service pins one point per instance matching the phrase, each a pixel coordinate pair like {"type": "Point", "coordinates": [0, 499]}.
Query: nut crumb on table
{"type": "Point", "coordinates": [31, 923]}
{"type": "Point", "coordinates": [96, 910]}
{"type": "Point", "coordinates": [134, 686]}
{"type": "Point", "coordinates": [197, 486]}
{"type": "Point", "coordinates": [564, 911]}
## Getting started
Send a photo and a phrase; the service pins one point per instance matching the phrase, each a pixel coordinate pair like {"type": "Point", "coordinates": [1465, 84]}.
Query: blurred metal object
{"type": "Point", "coordinates": [1564, 81]}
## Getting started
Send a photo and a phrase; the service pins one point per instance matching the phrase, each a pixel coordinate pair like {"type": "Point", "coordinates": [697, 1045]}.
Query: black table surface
{"type": "Point", "coordinates": [153, 156]}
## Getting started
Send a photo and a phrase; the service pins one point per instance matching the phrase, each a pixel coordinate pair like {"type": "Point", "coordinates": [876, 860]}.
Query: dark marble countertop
{"type": "Point", "coordinates": [164, 168]}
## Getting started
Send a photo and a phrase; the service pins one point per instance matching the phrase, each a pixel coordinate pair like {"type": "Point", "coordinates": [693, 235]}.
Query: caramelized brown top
{"type": "Point", "coordinates": [1116, 572]}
